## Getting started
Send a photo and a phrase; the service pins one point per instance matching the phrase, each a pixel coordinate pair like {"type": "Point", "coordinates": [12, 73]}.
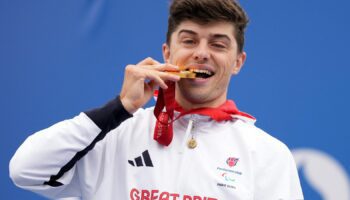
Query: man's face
{"type": "Point", "coordinates": [211, 48]}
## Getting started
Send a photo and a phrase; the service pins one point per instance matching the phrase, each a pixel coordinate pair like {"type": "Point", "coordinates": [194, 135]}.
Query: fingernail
{"type": "Point", "coordinates": [175, 66]}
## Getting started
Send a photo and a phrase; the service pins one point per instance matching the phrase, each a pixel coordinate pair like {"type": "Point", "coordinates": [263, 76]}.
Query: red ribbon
{"type": "Point", "coordinates": [163, 131]}
{"type": "Point", "coordinates": [164, 112]}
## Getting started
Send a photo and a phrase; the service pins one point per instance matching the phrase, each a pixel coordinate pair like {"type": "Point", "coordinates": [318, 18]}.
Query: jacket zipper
{"type": "Point", "coordinates": [182, 152]}
{"type": "Point", "coordinates": [187, 134]}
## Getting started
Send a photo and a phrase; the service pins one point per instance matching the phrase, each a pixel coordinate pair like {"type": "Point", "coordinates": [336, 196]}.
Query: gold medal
{"type": "Point", "coordinates": [192, 143]}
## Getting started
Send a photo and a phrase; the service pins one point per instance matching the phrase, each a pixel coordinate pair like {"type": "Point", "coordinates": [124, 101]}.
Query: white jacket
{"type": "Point", "coordinates": [106, 154]}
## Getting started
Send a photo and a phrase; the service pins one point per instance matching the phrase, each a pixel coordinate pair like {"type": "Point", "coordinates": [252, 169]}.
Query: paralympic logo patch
{"type": "Point", "coordinates": [232, 161]}
{"type": "Point", "coordinates": [228, 177]}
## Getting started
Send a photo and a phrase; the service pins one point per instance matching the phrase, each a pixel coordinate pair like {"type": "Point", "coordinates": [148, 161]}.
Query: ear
{"type": "Point", "coordinates": [239, 63]}
{"type": "Point", "coordinates": [166, 52]}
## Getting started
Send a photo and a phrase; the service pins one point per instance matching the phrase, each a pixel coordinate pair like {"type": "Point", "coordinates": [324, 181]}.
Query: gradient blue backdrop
{"type": "Point", "coordinates": [58, 58]}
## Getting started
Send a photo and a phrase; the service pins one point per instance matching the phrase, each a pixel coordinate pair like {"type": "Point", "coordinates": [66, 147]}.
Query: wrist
{"type": "Point", "coordinates": [128, 106]}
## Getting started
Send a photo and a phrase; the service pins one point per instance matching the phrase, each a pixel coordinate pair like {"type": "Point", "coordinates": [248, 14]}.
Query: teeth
{"type": "Point", "coordinates": [203, 71]}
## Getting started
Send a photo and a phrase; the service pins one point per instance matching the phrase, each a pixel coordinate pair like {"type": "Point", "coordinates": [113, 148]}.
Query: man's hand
{"type": "Point", "coordinates": [141, 80]}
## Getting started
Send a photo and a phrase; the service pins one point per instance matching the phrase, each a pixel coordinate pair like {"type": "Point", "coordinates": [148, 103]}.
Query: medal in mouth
{"type": "Point", "coordinates": [194, 73]}
{"type": "Point", "coordinates": [202, 73]}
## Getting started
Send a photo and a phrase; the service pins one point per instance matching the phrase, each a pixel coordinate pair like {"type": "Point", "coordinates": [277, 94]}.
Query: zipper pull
{"type": "Point", "coordinates": [190, 126]}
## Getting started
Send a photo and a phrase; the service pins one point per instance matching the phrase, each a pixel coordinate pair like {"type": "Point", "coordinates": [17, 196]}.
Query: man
{"type": "Point", "coordinates": [194, 145]}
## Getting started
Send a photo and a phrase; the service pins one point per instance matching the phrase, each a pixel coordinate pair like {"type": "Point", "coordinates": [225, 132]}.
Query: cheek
{"type": "Point", "coordinates": [226, 69]}
{"type": "Point", "coordinates": [179, 56]}
{"type": "Point", "coordinates": [227, 65]}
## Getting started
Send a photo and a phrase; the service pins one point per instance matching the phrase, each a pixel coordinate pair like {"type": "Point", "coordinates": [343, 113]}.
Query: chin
{"type": "Point", "coordinates": [198, 98]}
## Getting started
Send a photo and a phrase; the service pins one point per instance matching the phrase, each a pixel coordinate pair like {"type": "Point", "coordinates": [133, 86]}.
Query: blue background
{"type": "Point", "coordinates": [58, 58]}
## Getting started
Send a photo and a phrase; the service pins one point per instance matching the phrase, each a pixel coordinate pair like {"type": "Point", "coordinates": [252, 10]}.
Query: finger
{"type": "Point", "coordinates": [148, 61]}
{"type": "Point", "coordinates": [169, 77]}
{"type": "Point", "coordinates": [157, 79]}
{"type": "Point", "coordinates": [162, 67]}
{"type": "Point", "coordinates": [168, 67]}
{"type": "Point", "coordinates": [165, 76]}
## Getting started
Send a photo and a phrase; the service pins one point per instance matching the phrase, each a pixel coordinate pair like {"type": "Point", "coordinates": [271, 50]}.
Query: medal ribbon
{"type": "Point", "coordinates": [164, 112]}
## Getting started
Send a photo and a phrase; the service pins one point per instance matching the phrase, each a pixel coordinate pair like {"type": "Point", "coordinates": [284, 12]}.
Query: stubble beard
{"type": "Point", "coordinates": [195, 97]}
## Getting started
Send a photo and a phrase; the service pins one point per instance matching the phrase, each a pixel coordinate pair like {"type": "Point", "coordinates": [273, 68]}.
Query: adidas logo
{"type": "Point", "coordinates": [138, 160]}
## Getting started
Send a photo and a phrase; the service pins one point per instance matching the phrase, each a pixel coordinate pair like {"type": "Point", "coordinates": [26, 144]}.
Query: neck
{"type": "Point", "coordinates": [190, 105]}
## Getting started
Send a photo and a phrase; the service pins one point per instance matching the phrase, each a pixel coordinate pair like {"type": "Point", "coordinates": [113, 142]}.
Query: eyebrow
{"type": "Point", "coordinates": [214, 36]}
{"type": "Point", "coordinates": [187, 31]}
{"type": "Point", "coordinates": [221, 36]}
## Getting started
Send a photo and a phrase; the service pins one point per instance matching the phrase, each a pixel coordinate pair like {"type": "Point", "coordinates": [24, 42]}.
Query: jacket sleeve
{"type": "Point", "coordinates": [46, 162]}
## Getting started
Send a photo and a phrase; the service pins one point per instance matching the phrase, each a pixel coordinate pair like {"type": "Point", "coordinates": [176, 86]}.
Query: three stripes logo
{"type": "Point", "coordinates": [144, 160]}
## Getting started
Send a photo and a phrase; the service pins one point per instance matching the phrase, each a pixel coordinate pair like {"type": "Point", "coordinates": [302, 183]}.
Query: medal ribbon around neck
{"type": "Point", "coordinates": [164, 112]}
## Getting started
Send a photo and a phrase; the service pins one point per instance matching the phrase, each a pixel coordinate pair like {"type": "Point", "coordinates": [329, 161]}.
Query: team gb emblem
{"type": "Point", "coordinates": [231, 161]}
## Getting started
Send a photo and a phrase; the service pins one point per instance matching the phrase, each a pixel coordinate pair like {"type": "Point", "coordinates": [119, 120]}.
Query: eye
{"type": "Point", "coordinates": [188, 41]}
{"type": "Point", "coordinates": [218, 45]}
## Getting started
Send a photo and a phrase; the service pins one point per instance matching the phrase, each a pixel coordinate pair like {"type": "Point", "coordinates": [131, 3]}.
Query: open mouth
{"type": "Point", "coordinates": [192, 73]}
{"type": "Point", "coordinates": [202, 73]}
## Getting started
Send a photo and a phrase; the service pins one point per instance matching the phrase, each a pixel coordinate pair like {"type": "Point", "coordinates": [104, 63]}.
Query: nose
{"type": "Point", "coordinates": [201, 53]}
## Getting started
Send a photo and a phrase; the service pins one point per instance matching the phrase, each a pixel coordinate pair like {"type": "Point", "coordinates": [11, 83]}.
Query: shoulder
{"type": "Point", "coordinates": [142, 118]}
{"type": "Point", "coordinates": [142, 115]}
{"type": "Point", "coordinates": [143, 112]}
{"type": "Point", "coordinates": [261, 142]}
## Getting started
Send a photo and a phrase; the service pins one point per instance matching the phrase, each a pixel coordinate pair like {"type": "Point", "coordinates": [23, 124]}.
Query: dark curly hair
{"type": "Point", "coordinates": [206, 11]}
